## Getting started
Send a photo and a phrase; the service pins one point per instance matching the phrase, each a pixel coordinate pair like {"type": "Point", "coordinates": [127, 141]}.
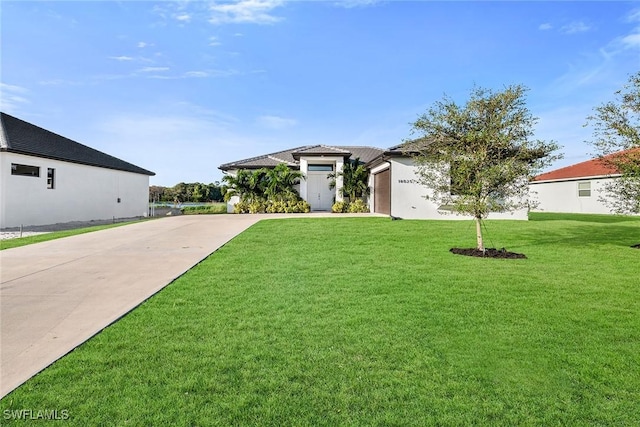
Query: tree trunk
{"type": "Point", "coordinates": [480, 243]}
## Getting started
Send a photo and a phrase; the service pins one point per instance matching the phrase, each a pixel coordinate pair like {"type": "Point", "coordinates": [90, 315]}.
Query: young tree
{"type": "Point", "coordinates": [478, 158]}
{"type": "Point", "coordinates": [617, 142]}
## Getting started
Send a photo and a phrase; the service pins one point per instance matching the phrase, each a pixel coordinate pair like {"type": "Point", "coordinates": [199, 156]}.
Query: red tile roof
{"type": "Point", "coordinates": [593, 167]}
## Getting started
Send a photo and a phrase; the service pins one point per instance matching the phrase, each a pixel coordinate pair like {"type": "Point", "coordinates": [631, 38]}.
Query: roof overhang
{"type": "Point", "coordinates": [297, 155]}
{"type": "Point", "coordinates": [575, 178]}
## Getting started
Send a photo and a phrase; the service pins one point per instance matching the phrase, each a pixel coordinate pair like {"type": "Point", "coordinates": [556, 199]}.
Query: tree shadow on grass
{"type": "Point", "coordinates": [606, 233]}
{"type": "Point", "coordinates": [598, 219]}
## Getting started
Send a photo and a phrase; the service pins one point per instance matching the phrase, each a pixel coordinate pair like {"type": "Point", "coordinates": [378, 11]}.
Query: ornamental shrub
{"type": "Point", "coordinates": [257, 206]}
{"type": "Point", "coordinates": [241, 208]}
{"type": "Point", "coordinates": [304, 206]}
{"type": "Point", "coordinates": [358, 206]}
{"type": "Point", "coordinates": [340, 207]}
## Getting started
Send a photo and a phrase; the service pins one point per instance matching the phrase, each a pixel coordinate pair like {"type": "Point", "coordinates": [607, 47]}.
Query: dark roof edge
{"type": "Point", "coordinates": [234, 165]}
{"type": "Point", "coordinates": [125, 166]}
{"type": "Point", "coordinates": [575, 178]}
{"type": "Point", "coordinates": [140, 171]}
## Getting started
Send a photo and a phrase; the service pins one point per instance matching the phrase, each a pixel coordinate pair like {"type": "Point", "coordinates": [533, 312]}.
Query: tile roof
{"type": "Point", "coordinates": [589, 168]}
{"type": "Point", "coordinates": [291, 157]}
{"type": "Point", "coordinates": [18, 136]}
{"type": "Point", "coordinates": [320, 150]}
{"type": "Point", "coordinates": [408, 147]}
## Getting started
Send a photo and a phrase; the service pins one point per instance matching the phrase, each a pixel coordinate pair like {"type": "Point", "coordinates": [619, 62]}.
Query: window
{"type": "Point", "coordinates": [25, 170]}
{"type": "Point", "coordinates": [324, 168]}
{"type": "Point", "coordinates": [584, 189]}
{"type": "Point", "coordinates": [51, 178]}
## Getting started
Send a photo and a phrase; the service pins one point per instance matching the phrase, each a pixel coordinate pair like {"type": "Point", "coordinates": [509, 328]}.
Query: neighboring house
{"type": "Point", "coordinates": [393, 182]}
{"type": "Point", "coordinates": [578, 188]}
{"type": "Point", "coordinates": [46, 178]}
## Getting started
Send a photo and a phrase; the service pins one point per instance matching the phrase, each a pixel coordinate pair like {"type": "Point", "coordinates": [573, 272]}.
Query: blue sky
{"type": "Point", "coordinates": [182, 87]}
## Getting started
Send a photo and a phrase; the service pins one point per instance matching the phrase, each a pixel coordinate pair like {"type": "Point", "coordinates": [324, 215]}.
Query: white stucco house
{"type": "Point", "coordinates": [578, 188]}
{"type": "Point", "coordinates": [46, 179]}
{"type": "Point", "coordinates": [316, 162]}
{"type": "Point", "coordinates": [393, 183]}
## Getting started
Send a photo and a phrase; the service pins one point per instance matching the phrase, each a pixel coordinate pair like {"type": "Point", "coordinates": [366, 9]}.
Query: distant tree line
{"type": "Point", "coordinates": [187, 192]}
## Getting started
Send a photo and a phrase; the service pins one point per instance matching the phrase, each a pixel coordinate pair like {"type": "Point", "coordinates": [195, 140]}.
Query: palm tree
{"type": "Point", "coordinates": [237, 185]}
{"type": "Point", "coordinates": [355, 179]}
{"type": "Point", "coordinates": [257, 184]}
{"type": "Point", "coordinates": [280, 182]}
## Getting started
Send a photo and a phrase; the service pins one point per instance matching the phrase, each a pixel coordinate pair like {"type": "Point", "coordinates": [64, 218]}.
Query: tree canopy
{"type": "Point", "coordinates": [186, 192]}
{"type": "Point", "coordinates": [478, 158]}
{"type": "Point", "coordinates": [616, 138]}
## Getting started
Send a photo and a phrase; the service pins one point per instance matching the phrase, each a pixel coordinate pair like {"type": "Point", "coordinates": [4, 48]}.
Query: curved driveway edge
{"type": "Point", "coordinates": [56, 295]}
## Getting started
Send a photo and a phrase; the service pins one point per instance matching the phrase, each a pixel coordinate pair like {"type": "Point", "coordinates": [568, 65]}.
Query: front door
{"type": "Point", "coordinates": [319, 195]}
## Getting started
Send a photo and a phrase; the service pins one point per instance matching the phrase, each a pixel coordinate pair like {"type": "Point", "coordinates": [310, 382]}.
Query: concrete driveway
{"type": "Point", "coordinates": [55, 295]}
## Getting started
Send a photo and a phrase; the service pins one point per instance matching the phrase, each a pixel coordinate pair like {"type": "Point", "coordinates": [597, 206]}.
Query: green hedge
{"type": "Point", "coordinates": [272, 206]}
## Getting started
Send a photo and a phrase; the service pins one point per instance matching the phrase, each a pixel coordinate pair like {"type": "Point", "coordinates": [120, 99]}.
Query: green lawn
{"type": "Point", "coordinates": [28, 240]}
{"type": "Point", "coordinates": [367, 321]}
{"type": "Point", "coordinates": [211, 208]}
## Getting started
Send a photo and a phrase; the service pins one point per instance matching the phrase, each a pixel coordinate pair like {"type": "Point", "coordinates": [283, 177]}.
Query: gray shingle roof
{"type": "Point", "coordinates": [292, 156]}
{"type": "Point", "coordinates": [408, 147]}
{"type": "Point", "coordinates": [18, 136]}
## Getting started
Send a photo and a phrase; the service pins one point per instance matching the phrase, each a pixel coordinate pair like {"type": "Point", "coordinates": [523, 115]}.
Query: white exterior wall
{"type": "Point", "coordinates": [408, 201]}
{"type": "Point", "coordinates": [81, 193]}
{"type": "Point", "coordinates": [338, 162]}
{"type": "Point", "coordinates": [562, 196]}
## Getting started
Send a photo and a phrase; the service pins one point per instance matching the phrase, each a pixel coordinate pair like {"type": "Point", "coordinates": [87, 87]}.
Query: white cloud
{"type": "Point", "coordinates": [275, 122]}
{"type": "Point", "coordinates": [244, 11]}
{"type": "Point", "coordinates": [4, 87]}
{"type": "Point", "coordinates": [183, 17]}
{"type": "Point", "coordinates": [142, 45]}
{"type": "Point", "coordinates": [213, 41]}
{"type": "Point", "coordinates": [348, 4]}
{"type": "Point", "coordinates": [633, 16]}
{"type": "Point", "coordinates": [631, 41]}
{"type": "Point", "coordinates": [60, 82]}
{"type": "Point", "coordinates": [12, 98]}
{"type": "Point", "coordinates": [545, 26]}
{"type": "Point", "coordinates": [121, 58]}
{"type": "Point", "coordinates": [152, 69]}
{"type": "Point", "coordinates": [196, 74]}
{"type": "Point", "coordinates": [575, 27]}
{"type": "Point", "coordinates": [148, 139]}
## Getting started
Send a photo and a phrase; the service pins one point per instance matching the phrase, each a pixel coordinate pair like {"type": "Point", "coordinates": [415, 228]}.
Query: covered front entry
{"type": "Point", "coordinates": [319, 195]}
{"type": "Point", "coordinates": [382, 192]}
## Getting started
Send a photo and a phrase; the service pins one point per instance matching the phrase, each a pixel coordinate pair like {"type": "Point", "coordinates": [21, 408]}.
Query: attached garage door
{"type": "Point", "coordinates": [382, 192]}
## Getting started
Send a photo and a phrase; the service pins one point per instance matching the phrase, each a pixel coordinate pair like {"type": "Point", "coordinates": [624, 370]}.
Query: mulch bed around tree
{"type": "Point", "coordinates": [487, 253]}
